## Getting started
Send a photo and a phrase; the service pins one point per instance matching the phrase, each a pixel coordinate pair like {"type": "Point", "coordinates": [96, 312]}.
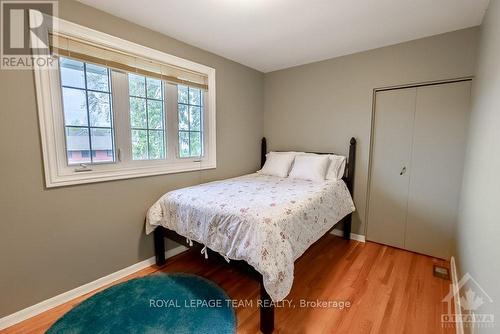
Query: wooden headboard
{"type": "Point", "coordinates": [349, 170]}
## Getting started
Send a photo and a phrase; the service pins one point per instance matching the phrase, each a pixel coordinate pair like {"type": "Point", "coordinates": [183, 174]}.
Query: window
{"type": "Point", "coordinates": [190, 105]}
{"type": "Point", "coordinates": [120, 115]}
{"type": "Point", "coordinates": [146, 117]}
{"type": "Point", "coordinates": [86, 96]}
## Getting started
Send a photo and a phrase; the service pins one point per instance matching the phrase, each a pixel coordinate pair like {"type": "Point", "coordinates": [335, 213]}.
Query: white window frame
{"type": "Point", "coordinates": [48, 91]}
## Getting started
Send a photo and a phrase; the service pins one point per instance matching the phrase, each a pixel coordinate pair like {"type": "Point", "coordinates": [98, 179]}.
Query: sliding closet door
{"type": "Point", "coordinates": [391, 152]}
{"type": "Point", "coordinates": [439, 140]}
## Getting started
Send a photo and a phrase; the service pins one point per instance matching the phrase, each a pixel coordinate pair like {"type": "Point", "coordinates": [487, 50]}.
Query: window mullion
{"type": "Point", "coordinates": [171, 115]}
{"type": "Point", "coordinates": [121, 113]}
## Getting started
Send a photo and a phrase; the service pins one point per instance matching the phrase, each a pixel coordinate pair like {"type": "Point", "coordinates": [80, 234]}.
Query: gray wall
{"type": "Point", "coordinates": [478, 228]}
{"type": "Point", "coordinates": [319, 106]}
{"type": "Point", "coordinates": [54, 240]}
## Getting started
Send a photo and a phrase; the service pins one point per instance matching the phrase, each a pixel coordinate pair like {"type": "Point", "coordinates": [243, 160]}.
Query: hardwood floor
{"type": "Point", "coordinates": [390, 291]}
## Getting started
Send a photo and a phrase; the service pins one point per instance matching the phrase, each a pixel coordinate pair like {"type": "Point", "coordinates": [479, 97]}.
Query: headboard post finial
{"type": "Point", "coordinates": [351, 164]}
{"type": "Point", "coordinates": [263, 151]}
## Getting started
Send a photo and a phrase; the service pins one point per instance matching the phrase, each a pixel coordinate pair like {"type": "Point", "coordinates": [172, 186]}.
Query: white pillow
{"type": "Point", "coordinates": [310, 167]}
{"type": "Point", "coordinates": [278, 163]}
{"type": "Point", "coordinates": [336, 168]}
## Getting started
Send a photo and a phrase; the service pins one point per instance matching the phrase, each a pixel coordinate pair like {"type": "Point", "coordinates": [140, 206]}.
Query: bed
{"type": "Point", "coordinates": [265, 222]}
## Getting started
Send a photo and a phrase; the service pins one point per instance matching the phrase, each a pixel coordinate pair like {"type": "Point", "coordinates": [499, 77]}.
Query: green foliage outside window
{"type": "Point", "coordinates": [147, 118]}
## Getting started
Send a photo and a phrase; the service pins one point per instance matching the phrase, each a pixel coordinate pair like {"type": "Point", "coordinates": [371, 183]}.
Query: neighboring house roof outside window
{"type": "Point", "coordinates": [81, 143]}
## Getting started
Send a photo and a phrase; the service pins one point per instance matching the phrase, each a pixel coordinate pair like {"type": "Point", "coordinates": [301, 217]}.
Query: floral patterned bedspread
{"type": "Point", "coordinates": [266, 221]}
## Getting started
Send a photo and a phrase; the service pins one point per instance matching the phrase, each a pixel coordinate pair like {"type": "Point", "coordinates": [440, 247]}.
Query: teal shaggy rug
{"type": "Point", "coordinates": [162, 303]}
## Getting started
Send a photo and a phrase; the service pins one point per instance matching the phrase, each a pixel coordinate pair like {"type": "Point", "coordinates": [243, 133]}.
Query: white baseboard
{"type": "Point", "coordinates": [459, 326]}
{"type": "Point", "coordinates": [354, 236]}
{"type": "Point", "coordinates": [50, 303]}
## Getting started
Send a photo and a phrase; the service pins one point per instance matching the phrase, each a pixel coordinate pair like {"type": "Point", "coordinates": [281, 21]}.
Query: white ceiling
{"type": "Point", "coordinates": [269, 35]}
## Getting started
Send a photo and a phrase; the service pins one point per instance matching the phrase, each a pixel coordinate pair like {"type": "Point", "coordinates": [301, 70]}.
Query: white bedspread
{"type": "Point", "coordinates": [266, 221]}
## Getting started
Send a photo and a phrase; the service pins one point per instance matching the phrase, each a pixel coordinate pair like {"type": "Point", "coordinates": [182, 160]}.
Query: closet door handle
{"type": "Point", "coordinates": [403, 170]}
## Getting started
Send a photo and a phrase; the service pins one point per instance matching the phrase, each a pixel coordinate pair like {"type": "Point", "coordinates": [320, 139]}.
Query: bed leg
{"type": "Point", "coordinates": [347, 227]}
{"type": "Point", "coordinates": [266, 311]}
{"type": "Point", "coordinates": [159, 240]}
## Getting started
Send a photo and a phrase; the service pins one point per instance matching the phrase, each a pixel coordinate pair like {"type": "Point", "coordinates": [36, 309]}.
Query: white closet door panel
{"type": "Point", "coordinates": [439, 141]}
{"type": "Point", "coordinates": [391, 152]}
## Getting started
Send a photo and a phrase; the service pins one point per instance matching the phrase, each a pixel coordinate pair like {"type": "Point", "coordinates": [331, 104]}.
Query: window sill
{"type": "Point", "coordinates": [56, 180]}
